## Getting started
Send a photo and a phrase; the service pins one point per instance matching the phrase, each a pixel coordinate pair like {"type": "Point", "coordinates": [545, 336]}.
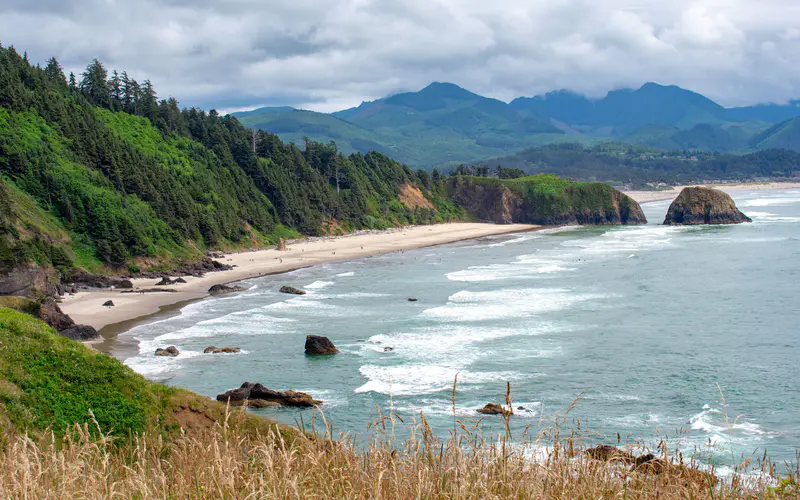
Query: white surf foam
{"type": "Point", "coordinates": [415, 379]}
{"type": "Point", "coordinates": [346, 275]}
{"type": "Point", "coordinates": [318, 285]}
{"type": "Point", "coordinates": [507, 303]}
{"type": "Point", "coordinates": [771, 201]}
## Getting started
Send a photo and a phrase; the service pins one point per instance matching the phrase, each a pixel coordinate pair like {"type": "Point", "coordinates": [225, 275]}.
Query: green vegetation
{"type": "Point", "coordinates": [101, 173]}
{"type": "Point", "coordinates": [47, 380]}
{"type": "Point", "coordinates": [619, 163]}
{"type": "Point", "coordinates": [444, 124]}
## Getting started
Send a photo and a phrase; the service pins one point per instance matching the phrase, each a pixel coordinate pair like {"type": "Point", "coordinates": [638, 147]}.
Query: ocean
{"type": "Point", "coordinates": [688, 334]}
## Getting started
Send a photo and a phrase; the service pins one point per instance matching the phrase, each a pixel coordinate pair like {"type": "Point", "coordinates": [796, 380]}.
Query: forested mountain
{"type": "Point", "coordinates": [96, 170]}
{"type": "Point", "coordinates": [619, 163]}
{"type": "Point", "coordinates": [446, 124]}
{"type": "Point", "coordinates": [440, 124]}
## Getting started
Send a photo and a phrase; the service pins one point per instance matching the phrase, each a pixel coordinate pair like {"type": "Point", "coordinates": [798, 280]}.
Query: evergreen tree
{"type": "Point", "coordinates": [72, 82]}
{"type": "Point", "coordinates": [94, 84]}
{"type": "Point", "coordinates": [115, 85]}
{"type": "Point", "coordinates": [55, 72]}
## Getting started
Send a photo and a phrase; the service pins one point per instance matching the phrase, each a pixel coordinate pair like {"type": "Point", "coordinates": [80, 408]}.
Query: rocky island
{"type": "Point", "coordinates": [543, 199]}
{"type": "Point", "coordinates": [701, 205]}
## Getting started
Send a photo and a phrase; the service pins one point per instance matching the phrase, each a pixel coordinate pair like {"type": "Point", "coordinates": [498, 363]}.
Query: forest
{"type": "Point", "coordinates": [125, 178]}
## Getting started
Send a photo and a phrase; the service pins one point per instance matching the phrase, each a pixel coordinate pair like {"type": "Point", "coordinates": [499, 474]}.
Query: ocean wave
{"type": "Point", "coordinates": [771, 201]}
{"type": "Point", "coordinates": [719, 428]}
{"type": "Point", "coordinates": [346, 275]}
{"type": "Point", "coordinates": [507, 303]}
{"type": "Point", "coordinates": [318, 285]}
{"type": "Point", "coordinates": [415, 379]}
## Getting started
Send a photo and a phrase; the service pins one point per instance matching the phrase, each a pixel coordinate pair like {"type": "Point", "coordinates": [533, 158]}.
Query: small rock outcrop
{"type": "Point", "coordinates": [292, 290]}
{"type": "Point", "coordinates": [701, 205]}
{"type": "Point", "coordinates": [165, 281]}
{"type": "Point", "coordinates": [221, 350]}
{"type": "Point", "coordinates": [80, 333]}
{"type": "Point", "coordinates": [218, 289]}
{"type": "Point", "coordinates": [319, 345]}
{"type": "Point", "coordinates": [412, 299]}
{"type": "Point", "coordinates": [494, 409]}
{"type": "Point", "coordinates": [169, 351]}
{"type": "Point", "coordinates": [109, 303]}
{"type": "Point", "coordinates": [281, 246]}
{"type": "Point", "coordinates": [258, 396]}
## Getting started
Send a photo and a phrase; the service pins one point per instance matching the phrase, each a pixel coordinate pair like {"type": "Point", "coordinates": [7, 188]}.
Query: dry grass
{"type": "Point", "coordinates": [226, 463]}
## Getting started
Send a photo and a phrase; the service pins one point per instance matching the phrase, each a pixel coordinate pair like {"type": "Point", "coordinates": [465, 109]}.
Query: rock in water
{"type": "Point", "coordinates": [218, 289]}
{"type": "Point", "coordinates": [221, 350]}
{"type": "Point", "coordinates": [701, 205]}
{"type": "Point", "coordinates": [319, 345]}
{"type": "Point", "coordinates": [258, 396]}
{"type": "Point", "coordinates": [169, 351]}
{"type": "Point", "coordinates": [292, 290]}
{"type": "Point", "coordinates": [494, 409]}
{"type": "Point", "coordinates": [412, 299]}
{"type": "Point", "coordinates": [109, 303]}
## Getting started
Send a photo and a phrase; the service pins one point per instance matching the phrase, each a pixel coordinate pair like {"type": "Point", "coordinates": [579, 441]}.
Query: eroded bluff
{"type": "Point", "coordinates": [544, 200]}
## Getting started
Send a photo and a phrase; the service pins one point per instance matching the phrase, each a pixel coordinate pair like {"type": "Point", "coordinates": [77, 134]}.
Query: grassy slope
{"type": "Point", "coordinates": [50, 382]}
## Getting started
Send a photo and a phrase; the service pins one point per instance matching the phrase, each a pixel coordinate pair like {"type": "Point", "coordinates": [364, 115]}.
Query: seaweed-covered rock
{"type": "Point", "coordinates": [319, 345]}
{"type": "Point", "coordinates": [292, 290]}
{"type": "Point", "coordinates": [701, 205]}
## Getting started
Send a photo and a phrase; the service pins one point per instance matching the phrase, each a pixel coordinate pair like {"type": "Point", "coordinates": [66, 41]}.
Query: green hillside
{"type": "Point", "coordinates": [50, 383]}
{"type": "Point", "coordinates": [438, 125]}
{"type": "Point", "coordinates": [104, 174]}
{"type": "Point", "coordinates": [785, 135]}
{"type": "Point", "coordinates": [620, 163]}
{"type": "Point", "coordinates": [444, 124]}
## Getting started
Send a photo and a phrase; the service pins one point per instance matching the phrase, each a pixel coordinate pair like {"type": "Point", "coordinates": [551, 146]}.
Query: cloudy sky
{"type": "Point", "coordinates": [332, 54]}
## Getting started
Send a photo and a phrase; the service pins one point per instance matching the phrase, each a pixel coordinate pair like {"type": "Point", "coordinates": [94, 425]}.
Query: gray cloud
{"type": "Point", "coordinates": [328, 55]}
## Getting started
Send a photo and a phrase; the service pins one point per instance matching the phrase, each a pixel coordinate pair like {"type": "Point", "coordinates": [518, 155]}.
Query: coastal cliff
{"type": "Point", "coordinates": [543, 199]}
{"type": "Point", "coordinates": [700, 205]}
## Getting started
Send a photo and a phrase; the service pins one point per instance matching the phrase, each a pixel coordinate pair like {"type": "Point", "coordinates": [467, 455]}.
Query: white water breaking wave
{"type": "Point", "coordinates": [526, 267]}
{"type": "Point", "coordinates": [318, 285]}
{"type": "Point", "coordinates": [627, 241]}
{"type": "Point", "coordinates": [412, 379]}
{"type": "Point", "coordinates": [346, 275]}
{"type": "Point", "coordinates": [508, 303]}
{"type": "Point", "coordinates": [720, 430]}
{"type": "Point", "coordinates": [773, 201]}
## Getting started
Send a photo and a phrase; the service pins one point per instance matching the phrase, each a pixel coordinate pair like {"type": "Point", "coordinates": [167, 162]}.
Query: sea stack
{"type": "Point", "coordinates": [701, 205]}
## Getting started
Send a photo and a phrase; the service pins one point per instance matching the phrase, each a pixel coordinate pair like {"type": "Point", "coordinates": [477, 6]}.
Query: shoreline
{"type": "Point", "coordinates": [671, 194]}
{"type": "Point", "coordinates": [129, 309]}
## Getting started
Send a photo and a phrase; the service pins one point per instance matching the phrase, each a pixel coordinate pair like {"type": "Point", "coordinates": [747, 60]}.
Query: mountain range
{"type": "Point", "coordinates": [445, 124]}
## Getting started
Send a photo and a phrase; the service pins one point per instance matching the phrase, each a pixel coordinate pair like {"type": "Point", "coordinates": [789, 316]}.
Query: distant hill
{"type": "Point", "coordinates": [620, 163]}
{"type": "Point", "coordinates": [626, 109]}
{"type": "Point", "coordinates": [784, 135]}
{"type": "Point", "coordinates": [444, 124]}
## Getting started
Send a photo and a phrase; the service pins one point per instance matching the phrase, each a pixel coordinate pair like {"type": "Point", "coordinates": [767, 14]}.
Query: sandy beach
{"type": "Point", "coordinates": [671, 194]}
{"type": "Point", "coordinates": [86, 307]}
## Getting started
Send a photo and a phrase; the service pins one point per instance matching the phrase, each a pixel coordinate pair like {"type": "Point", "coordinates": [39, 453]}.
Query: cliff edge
{"type": "Point", "coordinates": [544, 199]}
{"type": "Point", "coordinates": [701, 205]}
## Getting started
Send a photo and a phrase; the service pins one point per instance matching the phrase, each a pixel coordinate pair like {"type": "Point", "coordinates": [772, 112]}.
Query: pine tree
{"type": "Point", "coordinates": [94, 83]}
{"type": "Point", "coordinates": [54, 72]}
{"type": "Point", "coordinates": [115, 85]}
{"type": "Point", "coordinates": [72, 82]}
{"type": "Point", "coordinates": [149, 101]}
